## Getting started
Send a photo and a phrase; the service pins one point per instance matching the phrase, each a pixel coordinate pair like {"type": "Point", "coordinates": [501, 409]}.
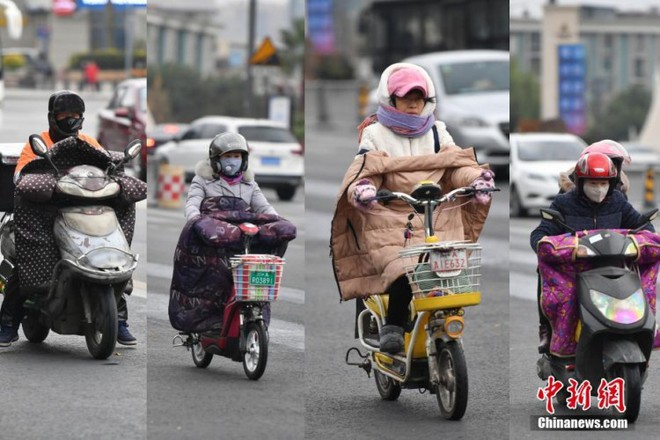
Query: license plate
{"type": "Point", "coordinates": [452, 261]}
{"type": "Point", "coordinates": [270, 160]}
{"type": "Point", "coordinates": [262, 278]}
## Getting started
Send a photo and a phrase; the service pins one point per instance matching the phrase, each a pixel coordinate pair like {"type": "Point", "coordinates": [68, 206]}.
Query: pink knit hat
{"type": "Point", "coordinates": [404, 80]}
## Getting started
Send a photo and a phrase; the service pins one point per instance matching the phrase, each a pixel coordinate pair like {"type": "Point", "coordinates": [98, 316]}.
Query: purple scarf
{"type": "Point", "coordinates": [404, 124]}
{"type": "Point", "coordinates": [232, 180]}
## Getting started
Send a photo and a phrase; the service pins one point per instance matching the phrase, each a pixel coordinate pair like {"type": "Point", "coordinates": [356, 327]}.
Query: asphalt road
{"type": "Point", "coordinates": [341, 401]}
{"type": "Point", "coordinates": [220, 402]}
{"type": "Point", "coordinates": [524, 382]}
{"type": "Point", "coordinates": [56, 389]}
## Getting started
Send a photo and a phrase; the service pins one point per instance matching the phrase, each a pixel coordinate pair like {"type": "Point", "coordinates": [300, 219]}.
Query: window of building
{"type": "Point", "coordinates": [608, 41]}
{"type": "Point", "coordinates": [181, 46]}
{"type": "Point", "coordinates": [535, 42]}
{"type": "Point", "coordinates": [640, 68]}
{"type": "Point", "coordinates": [161, 44]}
{"type": "Point", "coordinates": [199, 51]}
{"type": "Point", "coordinates": [640, 42]}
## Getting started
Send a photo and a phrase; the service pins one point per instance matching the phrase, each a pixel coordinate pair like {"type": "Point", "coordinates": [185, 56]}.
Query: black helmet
{"type": "Point", "coordinates": [60, 102]}
{"type": "Point", "coordinates": [225, 143]}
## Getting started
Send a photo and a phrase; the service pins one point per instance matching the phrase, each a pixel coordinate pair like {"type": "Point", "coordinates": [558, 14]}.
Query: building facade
{"type": "Point", "coordinates": [622, 49]}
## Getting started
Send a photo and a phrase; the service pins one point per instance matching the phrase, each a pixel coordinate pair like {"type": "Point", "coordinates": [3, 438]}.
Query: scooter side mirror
{"type": "Point", "coordinates": [552, 215]}
{"type": "Point", "coordinates": [556, 217]}
{"type": "Point", "coordinates": [38, 145]}
{"type": "Point", "coordinates": [647, 218]}
{"type": "Point", "coordinates": [651, 215]}
{"type": "Point", "coordinates": [132, 149]}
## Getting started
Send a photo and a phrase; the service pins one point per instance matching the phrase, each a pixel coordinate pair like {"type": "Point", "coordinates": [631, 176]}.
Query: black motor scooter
{"type": "Point", "coordinates": [616, 326]}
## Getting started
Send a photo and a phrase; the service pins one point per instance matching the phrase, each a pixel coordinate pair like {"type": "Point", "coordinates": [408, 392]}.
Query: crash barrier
{"type": "Point", "coordinates": [649, 184]}
{"type": "Point", "coordinates": [171, 185]}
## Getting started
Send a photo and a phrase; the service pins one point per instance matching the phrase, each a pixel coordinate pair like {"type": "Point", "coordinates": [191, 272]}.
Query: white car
{"type": "Point", "coordinates": [536, 160]}
{"type": "Point", "coordinates": [642, 157]}
{"type": "Point", "coordinates": [276, 157]}
{"type": "Point", "coordinates": [472, 95]}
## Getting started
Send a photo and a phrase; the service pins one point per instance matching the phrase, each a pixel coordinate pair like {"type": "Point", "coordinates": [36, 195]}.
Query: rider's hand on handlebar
{"type": "Point", "coordinates": [363, 195]}
{"type": "Point", "coordinates": [486, 180]}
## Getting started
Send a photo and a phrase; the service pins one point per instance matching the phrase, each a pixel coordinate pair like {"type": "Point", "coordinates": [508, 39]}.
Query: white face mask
{"type": "Point", "coordinates": [595, 191]}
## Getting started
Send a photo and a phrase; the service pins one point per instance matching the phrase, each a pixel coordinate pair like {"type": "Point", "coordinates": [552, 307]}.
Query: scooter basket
{"type": "Point", "coordinates": [257, 277]}
{"type": "Point", "coordinates": [446, 268]}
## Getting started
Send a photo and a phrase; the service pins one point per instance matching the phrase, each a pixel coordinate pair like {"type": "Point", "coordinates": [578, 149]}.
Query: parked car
{"type": "Point", "coordinates": [536, 160]}
{"type": "Point", "coordinates": [276, 157]}
{"type": "Point", "coordinates": [642, 157]}
{"type": "Point", "coordinates": [472, 93]}
{"type": "Point", "coordinates": [125, 119]}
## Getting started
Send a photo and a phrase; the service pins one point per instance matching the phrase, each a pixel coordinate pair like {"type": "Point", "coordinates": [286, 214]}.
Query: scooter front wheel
{"type": "Point", "coordinates": [101, 334]}
{"type": "Point", "coordinates": [388, 388]}
{"type": "Point", "coordinates": [633, 390]}
{"type": "Point", "coordinates": [452, 391]}
{"type": "Point", "coordinates": [256, 351]}
{"type": "Point", "coordinates": [200, 357]}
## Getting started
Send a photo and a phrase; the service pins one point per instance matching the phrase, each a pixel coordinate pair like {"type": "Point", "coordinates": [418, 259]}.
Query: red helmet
{"type": "Point", "coordinates": [595, 166]}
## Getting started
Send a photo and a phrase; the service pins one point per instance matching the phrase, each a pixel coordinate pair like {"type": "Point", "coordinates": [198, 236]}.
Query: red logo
{"type": "Point", "coordinates": [610, 394]}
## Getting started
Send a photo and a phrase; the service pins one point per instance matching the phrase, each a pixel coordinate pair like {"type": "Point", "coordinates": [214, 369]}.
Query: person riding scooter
{"type": "Point", "coordinates": [65, 118]}
{"type": "Point", "coordinates": [593, 204]}
{"type": "Point", "coordinates": [222, 195]}
{"type": "Point", "coordinates": [615, 151]}
{"type": "Point", "coordinates": [405, 126]}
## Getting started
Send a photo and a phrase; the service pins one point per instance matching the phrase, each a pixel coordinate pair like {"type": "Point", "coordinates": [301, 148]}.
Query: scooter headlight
{"type": "Point", "coordinates": [622, 311]}
{"type": "Point", "coordinates": [631, 249]}
{"type": "Point", "coordinates": [454, 326]}
{"type": "Point", "coordinates": [584, 251]}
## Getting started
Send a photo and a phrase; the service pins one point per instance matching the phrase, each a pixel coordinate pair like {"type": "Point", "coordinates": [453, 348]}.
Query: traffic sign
{"type": "Point", "coordinates": [266, 55]}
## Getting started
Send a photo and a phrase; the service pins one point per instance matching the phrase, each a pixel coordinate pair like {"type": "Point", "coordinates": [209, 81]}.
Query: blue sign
{"type": "Point", "coordinates": [571, 66]}
{"type": "Point", "coordinates": [119, 4]}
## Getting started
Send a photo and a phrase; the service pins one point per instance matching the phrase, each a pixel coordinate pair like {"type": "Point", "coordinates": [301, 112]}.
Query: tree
{"type": "Point", "coordinates": [525, 95]}
{"type": "Point", "coordinates": [293, 54]}
{"type": "Point", "coordinates": [625, 112]}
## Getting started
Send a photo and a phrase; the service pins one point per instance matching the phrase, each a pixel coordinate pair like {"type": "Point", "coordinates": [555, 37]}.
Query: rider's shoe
{"type": "Point", "coordinates": [544, 338]}
{"type": "Point", "coordinates": [8, 335]}
{"type": "Point", "coordinates": [391, 339]}
{"type": "Point", "coordinates": [124, 337]}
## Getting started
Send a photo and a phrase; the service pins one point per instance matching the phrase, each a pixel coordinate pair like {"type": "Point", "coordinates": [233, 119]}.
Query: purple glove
{"type": "Point", "coordinates": [362, 194]}
{"type": "Point", "coordinates": [484, 181]}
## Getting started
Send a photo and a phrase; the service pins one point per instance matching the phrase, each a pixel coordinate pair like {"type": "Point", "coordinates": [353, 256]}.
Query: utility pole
{"type": "Point", "coordinates": [250, 50]}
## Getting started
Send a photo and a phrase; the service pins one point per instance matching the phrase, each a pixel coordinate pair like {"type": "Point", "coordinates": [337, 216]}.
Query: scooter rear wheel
{"type": "Point", "coordinates": [35, 331]}
{"type": "Point", "coordinates": [256, 351]}
{"type": "Point", "coordinates": [200, 357]}
{"type": "Point", "coordinates": [452, 391]}
{"type": "Point", "coordinates": [388, 388]}
{"type": "Point", "coordinates": [101, 335]}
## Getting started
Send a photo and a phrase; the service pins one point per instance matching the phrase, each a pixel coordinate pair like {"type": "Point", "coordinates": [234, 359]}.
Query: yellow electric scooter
{"type": "Point", "coordinates": [445, 278]}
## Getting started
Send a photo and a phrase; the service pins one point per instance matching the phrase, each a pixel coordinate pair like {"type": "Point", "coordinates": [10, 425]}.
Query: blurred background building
{"type": "Point", "coordinates": [54, 32]}
{"type": "Point", "coordinates": [200, 61]}
{"type": "Point", "coordinates": [622, 48]}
